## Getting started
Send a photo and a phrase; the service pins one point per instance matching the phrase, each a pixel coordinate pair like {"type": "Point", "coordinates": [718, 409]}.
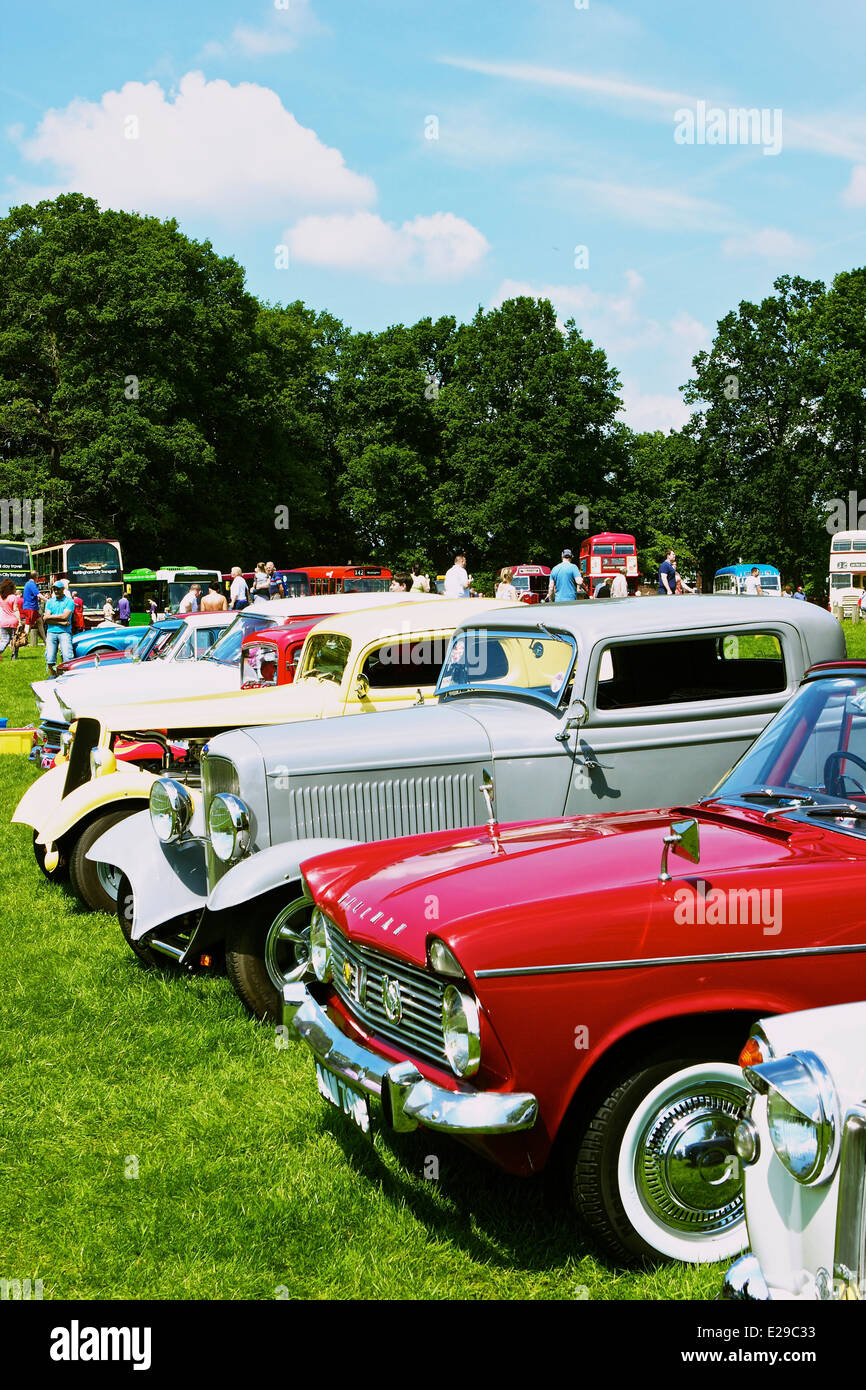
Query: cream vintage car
{"type": "Point", "coordinates": [351, 664]}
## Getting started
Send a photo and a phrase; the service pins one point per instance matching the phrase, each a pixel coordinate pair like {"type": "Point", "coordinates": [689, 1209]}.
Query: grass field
{"type": "Point", "coordinates": [246, 1186]}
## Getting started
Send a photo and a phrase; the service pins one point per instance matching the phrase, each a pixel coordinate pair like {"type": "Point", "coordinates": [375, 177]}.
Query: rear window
{"type": "Point", "coordinates": [673, 672]}
{"type": "Point", "coordinates": [405, 664]}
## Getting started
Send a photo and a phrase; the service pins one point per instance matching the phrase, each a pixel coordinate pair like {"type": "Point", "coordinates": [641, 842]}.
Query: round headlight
{"type": "Point", "coordinates": [170, 809]}
{"type": "Point", "coordinates": [228, 824]}
{"type": "Point", "coordinates": [66, 741]}
{"type": "Point", "coordinates": [803, 1116]}
{"type": "Point", "coordinates": [461, 1030]}
{"type": "Point", "coordinates": [320, 946]}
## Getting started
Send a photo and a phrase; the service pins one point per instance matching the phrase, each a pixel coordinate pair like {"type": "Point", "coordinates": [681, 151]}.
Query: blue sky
{"type": "Point", "coordinates": [393, 159]}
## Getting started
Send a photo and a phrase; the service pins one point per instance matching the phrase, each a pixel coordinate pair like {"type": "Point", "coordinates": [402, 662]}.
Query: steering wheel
{"type": "Point", "coordinates": [833, 779]}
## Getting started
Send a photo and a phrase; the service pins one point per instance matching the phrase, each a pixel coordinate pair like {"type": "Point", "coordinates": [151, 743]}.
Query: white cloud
{"type": "Point", "coordinates": [439, 247]}
{"type": "Point", "coordinates": [650, 206]}
{"type": "Point", "coordinates": [589, 84]}
{"type": "Point", "coordinates": [645, 411]}
{"type": "Point", "coordinates": [855, 193]}
{"type": "Point", "coordinates": [772, 242]}
{"type": "Point", "coordinates": [281, 33]}
{"type": "Point", "coordinates": [231, 151]}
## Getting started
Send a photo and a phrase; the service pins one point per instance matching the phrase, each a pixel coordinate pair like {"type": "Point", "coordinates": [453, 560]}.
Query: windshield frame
{"type": "Point", "coordinates": [244, 622]}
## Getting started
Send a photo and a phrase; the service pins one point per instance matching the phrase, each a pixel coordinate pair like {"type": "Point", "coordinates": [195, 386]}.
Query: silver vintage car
{"type": "Point", "coordinates": [577, 708]}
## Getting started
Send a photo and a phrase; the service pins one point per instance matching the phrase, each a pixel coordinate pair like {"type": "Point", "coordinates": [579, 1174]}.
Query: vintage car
{"type": "Point", "coordinates": [152, 640]}
{"type": "Point", "coordinates": [353, 663]}
{"type": "Point", "coordinates": [802, 1144]}
{"type": "Point", "coordinates": [106, 640]}
{"type": "Point", "coordinates": [581, 987]}
{"type": "Point", "coordinates": [600, 706]}
{"type": "Point", "coordinates": [270, 657]}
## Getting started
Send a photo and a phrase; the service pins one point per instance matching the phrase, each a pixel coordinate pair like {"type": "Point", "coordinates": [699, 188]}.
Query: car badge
{"type": "Point", "coordinates": [391, 999]}
{"type": "Point", "coordinates": [347, 972]}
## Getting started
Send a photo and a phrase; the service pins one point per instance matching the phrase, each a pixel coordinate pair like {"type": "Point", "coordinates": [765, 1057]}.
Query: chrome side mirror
{"type": "Point", "coordinates": [685, 840]}
{"type": "Point", "coordinates": [576, 716]}
{"type": "Point", "coordinates": [362, 687]}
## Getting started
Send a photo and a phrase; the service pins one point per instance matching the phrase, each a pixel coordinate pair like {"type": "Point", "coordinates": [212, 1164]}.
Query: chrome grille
{"type": "Point", "coordinates": [217, 775]}
{"type": "Point", "coordinates": [419, 1030]}
{"type": "Point", "coordinates": [384, 809]}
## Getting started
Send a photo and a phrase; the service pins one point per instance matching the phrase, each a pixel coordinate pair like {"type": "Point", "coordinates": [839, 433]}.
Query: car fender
{"type": "Point", "coordinates": [41, 798]}
{"type": "Point", "coordinates": [266, 870]}
{"type": "Point", "coordinates": [113, 790]}
{"type": "Point", "coordinates": [179, 868]}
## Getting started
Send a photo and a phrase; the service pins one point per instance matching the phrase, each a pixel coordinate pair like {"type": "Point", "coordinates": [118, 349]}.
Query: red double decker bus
{"type": "Point", "coordinates": [603, 556]}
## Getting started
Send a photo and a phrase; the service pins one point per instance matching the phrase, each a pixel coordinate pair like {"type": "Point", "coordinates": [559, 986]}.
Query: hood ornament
{"type": "Point", "coordinates": [488, 791]}
{"type": "Point", "coordinates": [684, 839]}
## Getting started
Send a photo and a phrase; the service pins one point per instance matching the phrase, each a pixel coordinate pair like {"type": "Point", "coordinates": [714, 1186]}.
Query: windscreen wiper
{"type": "Point", "coordinates": [554, 636]}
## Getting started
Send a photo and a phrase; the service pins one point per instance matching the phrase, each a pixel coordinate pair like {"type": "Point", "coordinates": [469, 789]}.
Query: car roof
{"type": "Point", "coordinates": [218, 619]}
{"type": "Point", "coordinates": [445, 613]}
{"type": "Point", "coordinates": [592, 620]}
{"type": "Point", "coordinates": [334, 603]}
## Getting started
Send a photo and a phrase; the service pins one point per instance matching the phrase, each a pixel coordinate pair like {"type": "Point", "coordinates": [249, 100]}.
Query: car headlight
{"type": "Point", "coordinates": [462, 1031]}
{"type": "Point", "coordinates": [228, 823]}
{"type": "Point", "coordinates": [102, 762]}
{"type": "Point", "coordinates": [171, 809]}
{"type": "Point", "coordinates": [802, 1114]}
{"type": "Point", "coordinates": [320, 946]}
{"type": "Point", "coordinates": [66, 741]}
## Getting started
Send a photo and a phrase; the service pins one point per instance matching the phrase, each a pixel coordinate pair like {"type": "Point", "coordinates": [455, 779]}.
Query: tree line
{"type": "Point", "coordinates": [146, 394]}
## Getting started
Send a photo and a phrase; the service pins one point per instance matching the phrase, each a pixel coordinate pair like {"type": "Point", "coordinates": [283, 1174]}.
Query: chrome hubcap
{"type": "Point", "coordinates": [109, 877]}
{"type": "Point", "coordinates": [686, 1168]}
{"type": "Point", "coordinates": [287, 944]}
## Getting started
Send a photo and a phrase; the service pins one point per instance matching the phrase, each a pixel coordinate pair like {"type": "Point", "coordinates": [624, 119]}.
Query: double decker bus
{"type": "Point", "coordinates": [607, 554]}
{"type": "Point", "coordinates": [168, 585]}
{"type": "Point", "coordinates": [847, 566]}
{"type": "Point", "coordinates": [16, 562]}
{"type": "Point", "coordinates": [94, 569]}
{"type": "Point", "coordinates": [732, 580]}
{"type": "Point", "coordinates": [531, 582]}
{"type": "Point", "coordinates": [337, 579]}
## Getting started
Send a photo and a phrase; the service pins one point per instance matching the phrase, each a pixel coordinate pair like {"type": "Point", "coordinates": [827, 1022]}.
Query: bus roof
{"type": "Point", "coordinates": [620, 537]}
{"type": "Point", "coordinates": [747, 569]}
{"type": "Point", "coordinates": [848, 536]}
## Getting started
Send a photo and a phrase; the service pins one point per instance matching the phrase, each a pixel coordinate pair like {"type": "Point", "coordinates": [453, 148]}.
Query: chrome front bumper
{"type": "Point", "coordinates": [408, 1098]}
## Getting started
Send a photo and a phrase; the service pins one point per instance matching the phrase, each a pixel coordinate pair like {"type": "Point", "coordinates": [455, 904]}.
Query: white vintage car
{"type": "Point", "coordinates": [802, 1141]}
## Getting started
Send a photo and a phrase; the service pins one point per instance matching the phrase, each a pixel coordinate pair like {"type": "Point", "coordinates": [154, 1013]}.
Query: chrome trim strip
{"type": "Point", "coordinates": [412, 1099]}
{"type": "Point", "coordinates": [640, 962]}
{"type": "Point", "coordinates": [849, 1256]}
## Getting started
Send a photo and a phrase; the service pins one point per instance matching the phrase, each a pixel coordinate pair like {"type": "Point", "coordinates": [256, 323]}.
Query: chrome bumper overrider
{"type": "Point", "coordinates": [408, 1098]}
{"type": "Point", "coordinates": [745, 1280]}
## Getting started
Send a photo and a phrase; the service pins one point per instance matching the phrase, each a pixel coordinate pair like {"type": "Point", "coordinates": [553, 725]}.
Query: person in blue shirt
{"type": "Point", "coordinates": [58, 625]}
{"type": "Point", "coordinates": [668, 574]}
{"type": "Point", "coordinates": [799, 593]}
{"type": "Point", "coordinates": [565, 580]}
{"type": "Point", "coordinates": [30, 607]}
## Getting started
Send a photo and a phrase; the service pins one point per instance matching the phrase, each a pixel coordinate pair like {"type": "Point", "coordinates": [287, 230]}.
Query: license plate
{"type": "Point", "coordinates": [337, 1093]}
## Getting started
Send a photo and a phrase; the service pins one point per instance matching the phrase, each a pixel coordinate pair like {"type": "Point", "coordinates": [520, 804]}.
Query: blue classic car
{"type": "Point", "coordinates": [117, 643]}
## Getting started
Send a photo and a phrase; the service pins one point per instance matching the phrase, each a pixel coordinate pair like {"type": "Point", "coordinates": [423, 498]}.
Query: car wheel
{"type": "Point", "coordinates": [96, 884]}
{"type": "Point", "coordinates": [655, 1173]}
{"type": "Point", "coordinates": [125, 913]}
{"type": "Point", "coordinates": [53, 875]}
{"type": "Point", "coordinates": [270, 951]}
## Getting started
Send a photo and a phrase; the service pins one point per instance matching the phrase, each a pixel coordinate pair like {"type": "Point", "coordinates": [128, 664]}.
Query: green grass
{"type": "Point", "coordinates": [246, 1183]}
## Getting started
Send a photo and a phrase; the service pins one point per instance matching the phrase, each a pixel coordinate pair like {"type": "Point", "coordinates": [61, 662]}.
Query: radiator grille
{"type": "Point", "coordinates": [358, 975]}
{"type": "Point", "coordinates": [383, 809]}
{"type": "Point", "coordinates": [217, 775]}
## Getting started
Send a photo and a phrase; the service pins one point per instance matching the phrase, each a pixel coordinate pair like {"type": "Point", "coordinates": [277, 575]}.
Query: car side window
{"type": "Point", "coordinates": [204, 639]}
{"type": "Point", "coordinates": [676, 671]}
{"type": "Point", "coordinates": [186, 650]}
{"type": "Point", "coordinates": [400, 665]}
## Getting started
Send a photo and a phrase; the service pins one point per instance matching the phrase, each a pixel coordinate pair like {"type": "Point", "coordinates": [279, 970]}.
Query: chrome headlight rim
{"type": "Point", "coordinates": [229, 841]}
{"type": "Point", "coordinates": [786, 1081]}
{"type": "Point", "coordinates": [169, 799]}
{"type": "Point", "coordinates": [321, 952]}
{"type": "Point", "coordinates": [461, 1031]}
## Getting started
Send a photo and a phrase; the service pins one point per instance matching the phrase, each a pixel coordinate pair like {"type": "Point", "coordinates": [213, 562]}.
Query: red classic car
{"type": "Point", "coordinates": [270, 657]}
{"type": "Point", "coordinates": [581, 987]}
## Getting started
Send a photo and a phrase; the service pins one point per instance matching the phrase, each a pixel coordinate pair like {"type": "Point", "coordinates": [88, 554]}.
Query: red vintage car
{"type": "Point", "coordinates": [580, 988]}
{"type": "Point", "coordinates": [270, 657]}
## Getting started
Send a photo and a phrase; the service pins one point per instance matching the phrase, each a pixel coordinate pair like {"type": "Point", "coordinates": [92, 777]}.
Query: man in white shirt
{"type": "Point", "coordinates": [753, 582]}
{"type": "Point", "coordinates": [239, 594]}
{"type": "Point", "coordinates": [619, 585]}
{"type": "Point", "coordinates": [190, 602]}
{"type": "Point", "coordinates": [457, 581]}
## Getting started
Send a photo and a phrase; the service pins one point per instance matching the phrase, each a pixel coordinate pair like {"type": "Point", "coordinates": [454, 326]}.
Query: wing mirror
{"type": "Point", "coordinates": [362, 687]}
{"type": "Point", "coordinates": [685, 840]}
{"type": "Point", "coordinates": [576, 716]}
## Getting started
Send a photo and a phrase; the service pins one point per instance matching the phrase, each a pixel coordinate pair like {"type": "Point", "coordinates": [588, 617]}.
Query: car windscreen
{"type": "Point", "coordinates": [814, 751]}
{"type": "Point", "coordinates": [326, 656]}
{"type": "Point", "coordinates": [227, 648]}
{"type": "Point", "coordinates": [498, 661]}
{"type": "Point", "coordinates": [155, 643]}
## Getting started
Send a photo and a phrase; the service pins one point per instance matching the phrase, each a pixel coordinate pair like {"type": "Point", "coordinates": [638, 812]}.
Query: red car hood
{"type": "Point", "coordinates": [547, 887]}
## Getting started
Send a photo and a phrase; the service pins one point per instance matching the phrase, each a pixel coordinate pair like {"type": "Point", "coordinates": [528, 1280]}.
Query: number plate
{"type": "Point", "coordinates": [337, 1093]}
